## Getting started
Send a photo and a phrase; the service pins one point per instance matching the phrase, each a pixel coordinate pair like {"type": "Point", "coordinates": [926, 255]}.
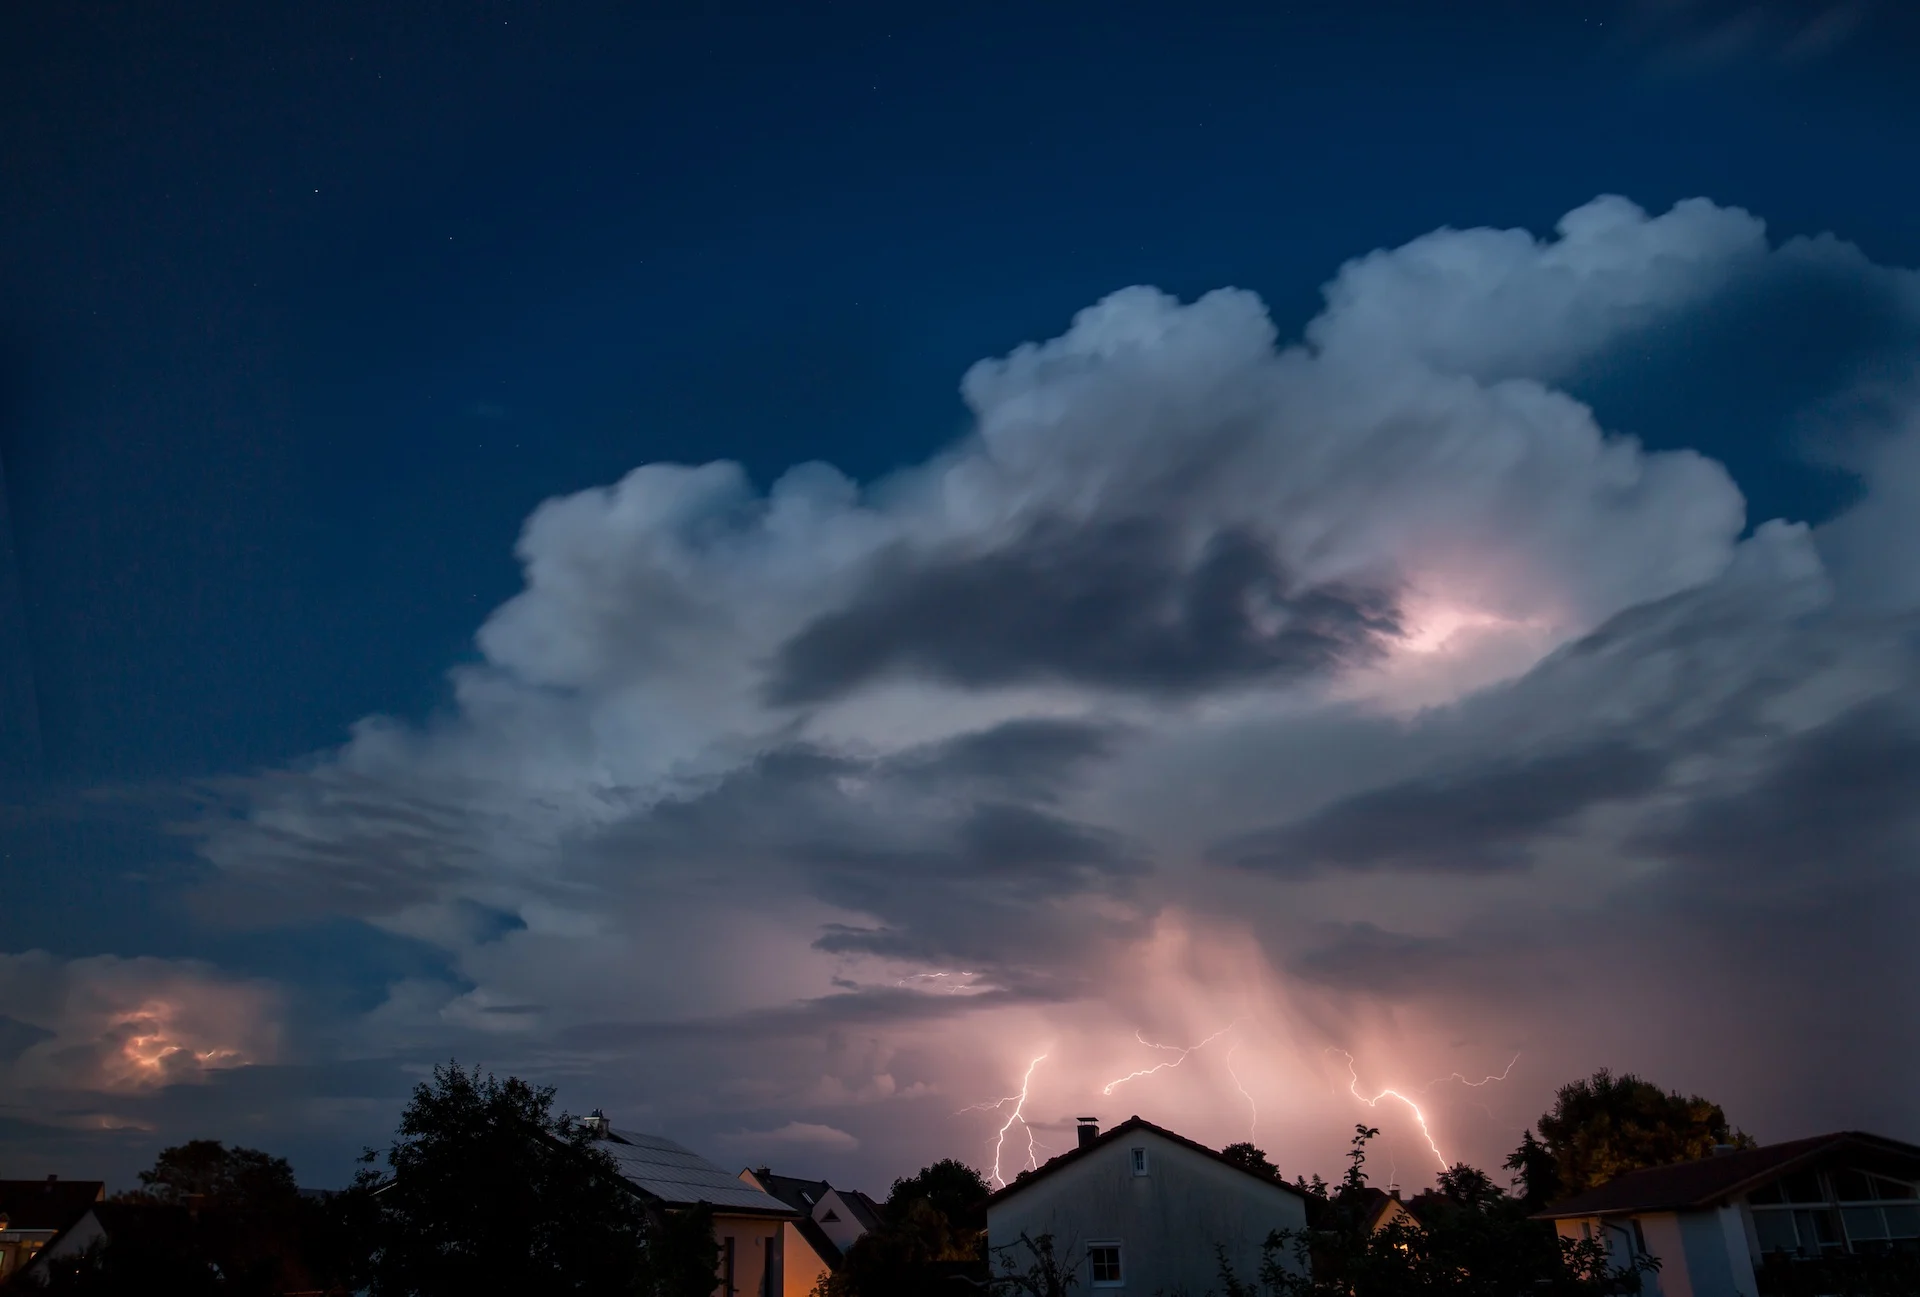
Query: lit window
{"type": "Point", "coordinates": [1103, 1259]}
{"type": "Point", "coordinates": [1139, 1161]}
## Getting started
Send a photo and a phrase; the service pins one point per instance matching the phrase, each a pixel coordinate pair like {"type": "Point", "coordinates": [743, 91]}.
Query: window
{"type": "Point", "coordinates": [1139, 1161]}
{"type": "Point", "coordinates": [1103, 1260]}
{"type": "Point", "coordinates": [1903, 1221]}
{"type": "Point", "coordinates": [1639, 1239]}
{"type": "Point", "coordinates": [1776, 1232]}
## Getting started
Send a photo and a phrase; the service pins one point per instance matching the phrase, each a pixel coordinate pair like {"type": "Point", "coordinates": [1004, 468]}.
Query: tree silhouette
{"type": "Point", "coordinates": [487, 1190]}
{"type": "Point", "coordinates": [1253, 1159]}
{"type": "Point", "coordinates": [1606, 1125]}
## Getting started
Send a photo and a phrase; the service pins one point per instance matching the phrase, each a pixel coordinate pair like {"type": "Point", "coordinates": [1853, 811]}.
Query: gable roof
{"type": "Point", "coordinates": [1703, 1183]}
{"type": "Point", "coordinates": [1135, 1123]}
{"type": "Point", "coordinates": [673, 1175]}
{"type": "Point", "coordinates": [48, 1204]}
{"type": "Point", "coordinates": [866, 1212]}
{"type": "Point", "coordinates": [801, 1195]}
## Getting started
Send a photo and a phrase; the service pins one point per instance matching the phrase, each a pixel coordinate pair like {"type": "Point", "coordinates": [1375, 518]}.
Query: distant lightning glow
{"type": "Point", "coordinates": [1019, 1102]}
{"type": "Point", "coordinates": [1253, 1112]}
{"type": "Point", "coordinates": [1110, 1086]}
{"type": "Point", "coordinates": [1353, 1086]}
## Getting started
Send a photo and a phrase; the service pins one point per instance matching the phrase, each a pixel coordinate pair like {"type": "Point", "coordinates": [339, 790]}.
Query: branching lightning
{"type": "Point", "coordinates": [1253, 1111]}
{"type": "Point", "coordinates": [1455, 1076]}
{"type": "Point", "coordinates": [1353, 1086]}
{"type": "Point", "coordinates": [1110, 1086]}
{"type": "Point", "coordinates": [1019, 1102]}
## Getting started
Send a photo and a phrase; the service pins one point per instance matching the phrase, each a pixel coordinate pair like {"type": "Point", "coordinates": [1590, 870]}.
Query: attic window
{"type": "Point", "coordinates": [1139, 1161]}
{"type": "Point", "coordinates": [829, 1218]}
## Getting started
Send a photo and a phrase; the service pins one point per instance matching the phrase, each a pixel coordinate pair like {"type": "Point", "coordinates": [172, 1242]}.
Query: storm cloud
{"type": "Point", "coordinates": [1364, 693]}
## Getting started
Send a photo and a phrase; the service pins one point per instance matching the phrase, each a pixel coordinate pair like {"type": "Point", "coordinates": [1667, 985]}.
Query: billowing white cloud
{"type": "Point", "coordinates": [1355, 693]}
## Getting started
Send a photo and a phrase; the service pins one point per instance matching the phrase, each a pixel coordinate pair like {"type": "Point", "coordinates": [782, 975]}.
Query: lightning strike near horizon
{"type": "Point", "coordinates": [1253, 1110]}
{"type": "Point", "coordinates": [1019, 1102]}
{"type": "Point", "coordinates": [1110, 1086]}
{"type": "Point", "coordinates": [1353, 1086]}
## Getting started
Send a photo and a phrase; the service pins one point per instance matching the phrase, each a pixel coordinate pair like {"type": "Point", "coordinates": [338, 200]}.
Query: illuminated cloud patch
{"type": "Point", "coordinates": [122, 1026]}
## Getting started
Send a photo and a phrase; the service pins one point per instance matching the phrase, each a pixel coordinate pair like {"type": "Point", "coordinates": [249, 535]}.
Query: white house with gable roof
{"type": "Point", "coordinates": [1142, 1210]}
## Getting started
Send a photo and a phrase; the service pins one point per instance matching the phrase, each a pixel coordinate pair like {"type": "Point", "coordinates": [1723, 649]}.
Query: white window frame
{"type": "Point", "coordinates": [1119, 1255]}
{"type": "Point", "coordinates": [1137, 1159]}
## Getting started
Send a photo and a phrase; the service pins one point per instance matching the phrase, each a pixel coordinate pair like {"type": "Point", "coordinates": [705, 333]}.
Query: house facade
{"type": "Point", "coordinates": [1715, 1224]}
{"type": "Point", "coordinates": [749, 1224]}
{"type": "Point", "coordinates": [49, 1217]}
{"type": "Point", "coordinates": [827, 1222]}
{"type": "Point", "coordinates": [1140, 1209]}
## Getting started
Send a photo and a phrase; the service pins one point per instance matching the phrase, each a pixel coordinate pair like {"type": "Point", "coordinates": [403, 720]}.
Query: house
{"type": "Point", "coordinates": [1378, 1209]}
{"type": "Point", "coordinates": [1715, 1222]}
{"type": "Point", "coordinates": [749, 1223]}
{"type": "Point", "coordinates": [54, 1216]}
{"type": "Point", "coordinates": [827, 1223]}
{"type": "Point", "coordinates": [1140, 1209]}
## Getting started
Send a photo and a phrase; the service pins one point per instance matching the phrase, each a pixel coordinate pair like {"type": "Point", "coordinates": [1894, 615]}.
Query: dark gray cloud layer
{"type": "Point", "coordinates": [1478, 820]}
{"type": "Point", "coordinates": [1121, 604]}
{"type": "Point", "coordinates": [952, 842]}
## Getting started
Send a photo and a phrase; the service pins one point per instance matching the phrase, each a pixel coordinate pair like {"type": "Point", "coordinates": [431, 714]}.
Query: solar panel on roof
{"type": "Point", "coordinates": [676, 1174]}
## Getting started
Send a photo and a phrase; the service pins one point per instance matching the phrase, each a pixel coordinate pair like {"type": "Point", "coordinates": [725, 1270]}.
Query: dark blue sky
{"type": "Point", "coordinates": [303, 311]}
{"type": "Point", "coordinates": [304, 308]}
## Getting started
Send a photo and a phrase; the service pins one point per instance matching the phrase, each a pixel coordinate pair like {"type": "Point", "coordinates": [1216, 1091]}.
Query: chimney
{"type": "Point", "coordinates": [1089, 1130]}
{"type": "Point", "coordinates": [1394, 1193]}
{"type": "Point", "coordinates": [595, 1123]}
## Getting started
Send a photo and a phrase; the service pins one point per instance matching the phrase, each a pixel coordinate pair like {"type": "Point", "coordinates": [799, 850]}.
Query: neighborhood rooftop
{"type": "Point", "coordinates": [1710, 1180]}
{"type": "Point", "coordinates": [677, 1176]}
{"type": "Point", "coordinates": [1132, 1124]}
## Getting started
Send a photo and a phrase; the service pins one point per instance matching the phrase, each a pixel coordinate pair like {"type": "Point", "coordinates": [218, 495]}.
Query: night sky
{"type": "Point", "coordinates": [769, 567]}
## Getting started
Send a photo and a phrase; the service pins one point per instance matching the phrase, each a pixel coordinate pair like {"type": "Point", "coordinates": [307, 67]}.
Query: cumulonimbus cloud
{"type": "Point", "coordinates": [1374, 656]}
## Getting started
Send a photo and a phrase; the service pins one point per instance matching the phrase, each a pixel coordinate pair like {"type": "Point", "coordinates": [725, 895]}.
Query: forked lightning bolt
{"type": "Point", "coordinates": [1019, 1102]}
{"type": "Point", "coordinates": [1110, 1086]}
{"type": "Point", "coordinates": [1353, 1085]}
